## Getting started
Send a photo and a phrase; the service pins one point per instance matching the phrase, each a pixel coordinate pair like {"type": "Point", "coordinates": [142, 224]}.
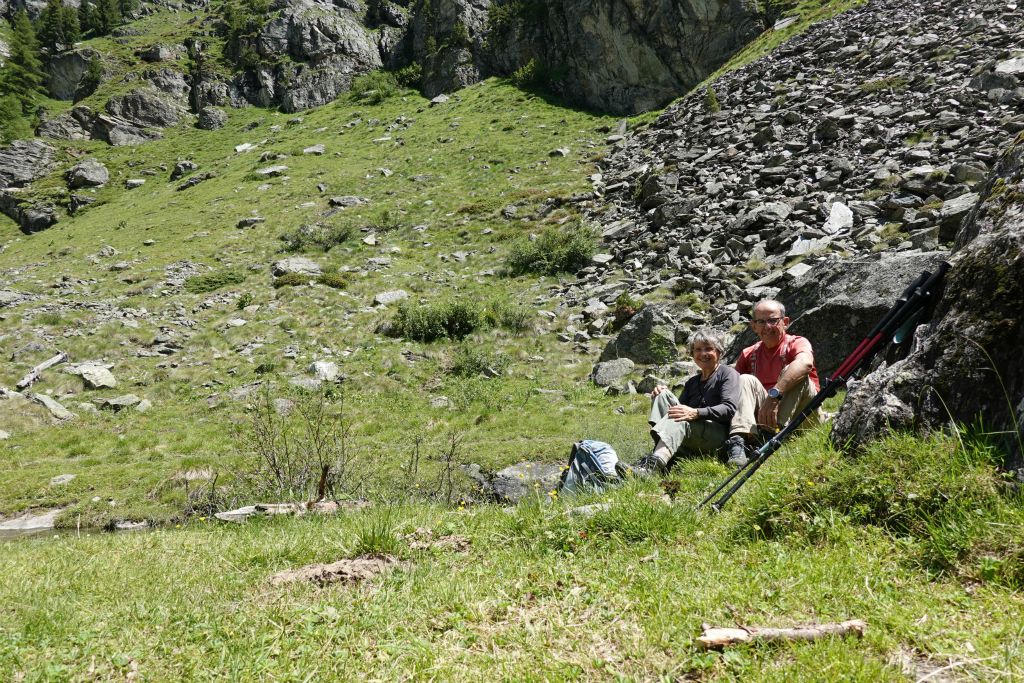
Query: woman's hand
{"type": "Point", "coordinates": [682, 413]}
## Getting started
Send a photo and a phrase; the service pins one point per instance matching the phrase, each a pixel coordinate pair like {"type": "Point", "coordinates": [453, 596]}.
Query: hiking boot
{"type": "Point", "coordinates": [648, 466]}
{"type": "Point", "coordinates": [736, 448]}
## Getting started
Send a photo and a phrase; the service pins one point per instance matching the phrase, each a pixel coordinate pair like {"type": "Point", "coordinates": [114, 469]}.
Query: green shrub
{"type": "Point", "coordinates": [210, 282]}
{"type": "Point", "coordinates": [711, 104]}
{"type": "Point", "coordinates": [410, 76]}
{"type": "Point", "coordinates": [322, 237]}
{"type": "Point", "coordinates": [428, 322]}
{"type": "Point", "coordinates": [49, 318]}
{"type": "Point", "coordinates": [333, 280]}
{"type": "Point", "coordinates": [626, 306]}
{"type": "Point", "coordinates": [376, 534]}
{"type": "Point", "coordinates": [374, 87]}
{"type": "Point", "coordinates": [508, 315]}
{"type": "Point", "coordinates": [469, 361]}
{"type": "Point", "coordinates": [556, 250]}
{"type": "Point", "coordinates": [293, 280]}
{"type": "Point", "coordinates": [531, 74]}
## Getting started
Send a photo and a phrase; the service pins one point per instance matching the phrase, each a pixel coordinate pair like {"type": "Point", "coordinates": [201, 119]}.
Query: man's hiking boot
{"type": "Point", "coordinates": [737, 451]}
{"type": "Point", "coordinates": [649, 465]}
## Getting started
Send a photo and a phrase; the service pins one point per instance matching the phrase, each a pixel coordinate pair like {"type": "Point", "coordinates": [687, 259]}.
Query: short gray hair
{"type": "Point", "coordinates": [706, 336]}
{"type": "Point", "coordinates": [774, 303]}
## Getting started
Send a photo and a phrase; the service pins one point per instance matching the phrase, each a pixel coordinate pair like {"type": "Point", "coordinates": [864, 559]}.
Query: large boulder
{"type": "Point", "coordinates": [966, 366]}
{"type": "Point", "coordinates": [63, 127]}
{"type": "Point", "coordinates": [649, 337]}
{"type": "Point", "coordinates": [23, 161]}
{"type": "Point", "coordinates": [87, 173]}
{"type": "Point", "coordinates": [64, 73]}
{"type": "Point", "coordinates": [145, 107]}
{"type": "Point", "coordinates": [30, 216]}
{"type": "Point", "coordinates": [839, 301]}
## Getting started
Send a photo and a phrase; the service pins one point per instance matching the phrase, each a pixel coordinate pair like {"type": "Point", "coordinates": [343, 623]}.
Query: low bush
{"type": "Point", "coordinates": [202, 284]}
{"type": "Point", "coordinates": [428, 322]}
{"type": "Point", "coordinates": [556, 250]}
{"type": "Point", "coordinates": [374, 87]}
{"type": "Point", "coordinates": [293, 280]}
{"type": "Point", "coordinates": [626, 306]}
{"type": "Point", "coordinates": [316, 236]}
{"type": "Point", "coordinates": [468, 361]}
{"type": "Point", "coordinates": [332, 280]}
{"type": "Point", "coordinates": [508, 315]}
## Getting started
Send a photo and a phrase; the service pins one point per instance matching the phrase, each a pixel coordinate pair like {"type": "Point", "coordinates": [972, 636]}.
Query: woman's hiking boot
{"type": "Point", "coordinates": [736, 447]}
{"type": "Point", "coordinates": [649, 465]}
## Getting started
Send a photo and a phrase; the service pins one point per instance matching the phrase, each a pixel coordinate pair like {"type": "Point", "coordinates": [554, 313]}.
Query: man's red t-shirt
{"type": "Point", "coordinates": [766, 364]}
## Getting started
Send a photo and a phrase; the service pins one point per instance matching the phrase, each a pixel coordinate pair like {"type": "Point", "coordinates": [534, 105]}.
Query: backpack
{"type": "Point", "coordinates": [592, 466]}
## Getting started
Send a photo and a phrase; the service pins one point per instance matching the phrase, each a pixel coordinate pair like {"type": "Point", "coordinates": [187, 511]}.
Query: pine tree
{"type": "Point", "coordinates": [108, 16]}
{"type": "Point", "coordinates": [126, 7]}
{"type": "Point", "coordinates": [22, 75]}
{"type": "Point", "coordinates": [13, 125]}
{"type": "Point", "coordinates": [57, 27]}
{"type": "Point", "coordinates": [87, 17]}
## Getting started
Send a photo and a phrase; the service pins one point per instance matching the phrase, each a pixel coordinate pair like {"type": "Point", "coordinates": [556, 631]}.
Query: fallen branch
{"type": "Point", "coordinates": [33, 376]}
{"type": "Point", "coordinates": [715, 638]}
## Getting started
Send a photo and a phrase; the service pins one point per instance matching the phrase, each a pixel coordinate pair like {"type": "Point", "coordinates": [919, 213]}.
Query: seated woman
{"type": "Point", "coordinates": [699, 420]}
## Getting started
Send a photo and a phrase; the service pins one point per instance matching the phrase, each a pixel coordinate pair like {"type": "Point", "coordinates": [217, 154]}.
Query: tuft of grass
{"type": "Point", "coordinates": [316, 236]}
{"type": "Point", "coordinates": [469, 361]}
{"type": "Point", "coordinates": [452, 319]}
{"type": "Point", "coordinates": [556, 250]}
{"type": "Point", "coordinates": [293, 280]}
{"type": "Point", "coordinates": [890, 83]}
{"type": "Point", "coordinates": [211, 282]}
{"type": "Point", "coordinates": [377, 534]}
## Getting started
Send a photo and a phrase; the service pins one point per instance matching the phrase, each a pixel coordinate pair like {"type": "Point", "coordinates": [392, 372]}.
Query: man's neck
{"type": "Point", "coordinates": [772, 347]}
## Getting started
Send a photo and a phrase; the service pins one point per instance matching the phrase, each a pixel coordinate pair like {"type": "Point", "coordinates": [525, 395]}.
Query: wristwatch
{"type": "Point", "coordinates": [775, 393]}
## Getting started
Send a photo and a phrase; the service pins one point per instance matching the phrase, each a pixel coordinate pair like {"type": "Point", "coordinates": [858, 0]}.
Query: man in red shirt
{"type": "Point", "coordinates": [778, 377]}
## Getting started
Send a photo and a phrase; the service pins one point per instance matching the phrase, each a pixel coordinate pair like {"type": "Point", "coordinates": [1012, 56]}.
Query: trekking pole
{"type": "Point", "coordinates": [914, 300]}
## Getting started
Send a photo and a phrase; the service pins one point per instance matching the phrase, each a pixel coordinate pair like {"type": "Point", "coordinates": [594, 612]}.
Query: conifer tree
{"type": "Point", "coordinates": [22, 74]}
{"type": "Point", "coordinates": [57, 27]}
{"type": "Point", "coordinates": [87, 17]}
{"type": "Point", "coordinates": [108, 16]}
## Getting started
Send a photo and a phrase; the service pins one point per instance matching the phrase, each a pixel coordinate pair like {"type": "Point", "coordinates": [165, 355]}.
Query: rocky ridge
{"type": "Point", "coordinates": [873, 131]}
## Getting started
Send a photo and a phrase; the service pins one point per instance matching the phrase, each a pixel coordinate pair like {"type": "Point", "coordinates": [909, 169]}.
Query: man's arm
{"type": "Point", "coordinates": [794, 373]}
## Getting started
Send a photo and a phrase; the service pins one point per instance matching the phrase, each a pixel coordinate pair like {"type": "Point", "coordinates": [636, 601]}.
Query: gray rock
{"type": "Point", "coordinates": [158, 52]}
{"type": "Point", "coordinates": [31, 522]}
{"type": "Point", "coordinates": [182, 168]}
{"type": "Point", "coordinates": [4, 436]}
{"type": "Point", "coordinates": [648, 337]}
{"type": "Point", "coordinates": [523, 480]}
{"type": "Point", "coordinates": [9, 297]}
{"type": "Point", "coordinates": [317, 150]}
{"type": "Point", "coordinates": [145, 107]}
{"type": "Point", "coordinates": [325, 370]}
{"type": "Point", "coordinates": [347, 201]}
{"type": "Point", "coordinates": [87, 173]}
{"type": "Point", "coordinates": [118, 403]}
{"type": "Point", "coordinates": [953, 213]}
{"type": "Point", "coordinates": [386, 298]}
{"type": "Point", "coordinates": [295, 264]}
{"type": "Point", "coordinates": [62, 479]}
{"type": "Point", "coordinates": [272, 171]}
{"type": "Point", "coordinates": [55, 408]}
{"type": "Point", "coordinates": [22, 161]}
{"type": "Point", "coordinates": [134, 183]}
{"type": "Point", "coordinates": [840, 219]}
{"type": "Point", "coordinates": [211, 118]}
{"type": "Point", "coordinates": [1013, 66]}
{"type": "Point", "coordinates": [975, 337]}
{"type": "Point", "coordinates": [97, 377]}
{"type": "Point", "coordinates": [612, 372]}
{"type": "Point", "coordinates": [63, 127]}
{"type": "Point", "coordinates": [65, 70]}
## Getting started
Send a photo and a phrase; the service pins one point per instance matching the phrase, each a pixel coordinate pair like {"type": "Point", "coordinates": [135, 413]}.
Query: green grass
{"type": "Point", "coordinates": [539, 594]}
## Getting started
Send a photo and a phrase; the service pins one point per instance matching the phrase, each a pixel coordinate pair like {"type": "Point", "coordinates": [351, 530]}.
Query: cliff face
{"type": "Point", "coordinates": [622, 56]}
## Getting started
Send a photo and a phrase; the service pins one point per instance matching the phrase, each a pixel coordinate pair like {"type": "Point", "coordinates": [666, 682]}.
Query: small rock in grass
{"type": "Point", "coordinates": [62, 479]}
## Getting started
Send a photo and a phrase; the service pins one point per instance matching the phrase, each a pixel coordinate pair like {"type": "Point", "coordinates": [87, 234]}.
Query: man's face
{"type": "Point", "coordinates": [769, 324]}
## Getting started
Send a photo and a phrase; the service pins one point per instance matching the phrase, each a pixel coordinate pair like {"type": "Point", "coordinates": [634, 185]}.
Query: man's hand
{"type": "Point", "coordinates": [657, 390]}
{"type": "Point", "coordinates": [768, 413]}
{"type": "Point", "coordinates": [682, 413]}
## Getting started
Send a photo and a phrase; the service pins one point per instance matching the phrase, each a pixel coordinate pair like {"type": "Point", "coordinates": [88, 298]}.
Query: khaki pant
{"type": "Point", "coordinates": [753, 394]}
{"type": "Point", "coordinates": [696, 436]}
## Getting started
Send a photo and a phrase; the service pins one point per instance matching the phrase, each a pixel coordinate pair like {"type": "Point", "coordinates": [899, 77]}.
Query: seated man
{"type": "Point", "coordinates": [777, 374]}
{"type": "Point", "coordinates": [699, 420]}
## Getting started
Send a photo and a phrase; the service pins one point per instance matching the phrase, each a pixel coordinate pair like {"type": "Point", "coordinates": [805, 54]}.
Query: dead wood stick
{"type": "Point", "coordinates": [33, 376]}
{"type": "Point", "coordinates": [714, 638]}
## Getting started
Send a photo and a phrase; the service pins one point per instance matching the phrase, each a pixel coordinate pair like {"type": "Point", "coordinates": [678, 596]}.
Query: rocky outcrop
{"type": "Point", "coordinates": [325, 46]}
{"type": "Point", "coordinates": [839, 300]}
{"type": "Point", "coordinates": [448, 37]}
{"type": "Point", "coordinates": [65, 73]}
{"type": "Point", "coordinates": [869, 132]}
{"type": "Point", "coordinates": [23, 161]}
{"type": "Point", "coordinates": [87, 173]}
{"type": "Point", "coordinates": [29, 215]}
{"type": "Point", "coordinates": [966, 366]}
{"type": "Point", "coordinates": [63, 127]}
{"type": "Point", "coordinates": [621, 56]}
{"type": "Point", "coordinates": [144, 107]}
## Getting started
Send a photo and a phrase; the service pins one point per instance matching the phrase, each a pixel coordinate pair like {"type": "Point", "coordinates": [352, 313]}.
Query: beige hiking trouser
{"type": "Point", "coordinates": [753, 394]}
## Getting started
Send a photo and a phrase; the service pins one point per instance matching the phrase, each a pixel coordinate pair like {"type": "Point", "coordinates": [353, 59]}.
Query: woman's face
{"type": "Point", "coordinates": [705, 356]}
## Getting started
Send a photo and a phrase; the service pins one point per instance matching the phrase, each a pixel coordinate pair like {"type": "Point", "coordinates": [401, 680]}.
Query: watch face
{"type": "Point", "coordinates": [774, 393]}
